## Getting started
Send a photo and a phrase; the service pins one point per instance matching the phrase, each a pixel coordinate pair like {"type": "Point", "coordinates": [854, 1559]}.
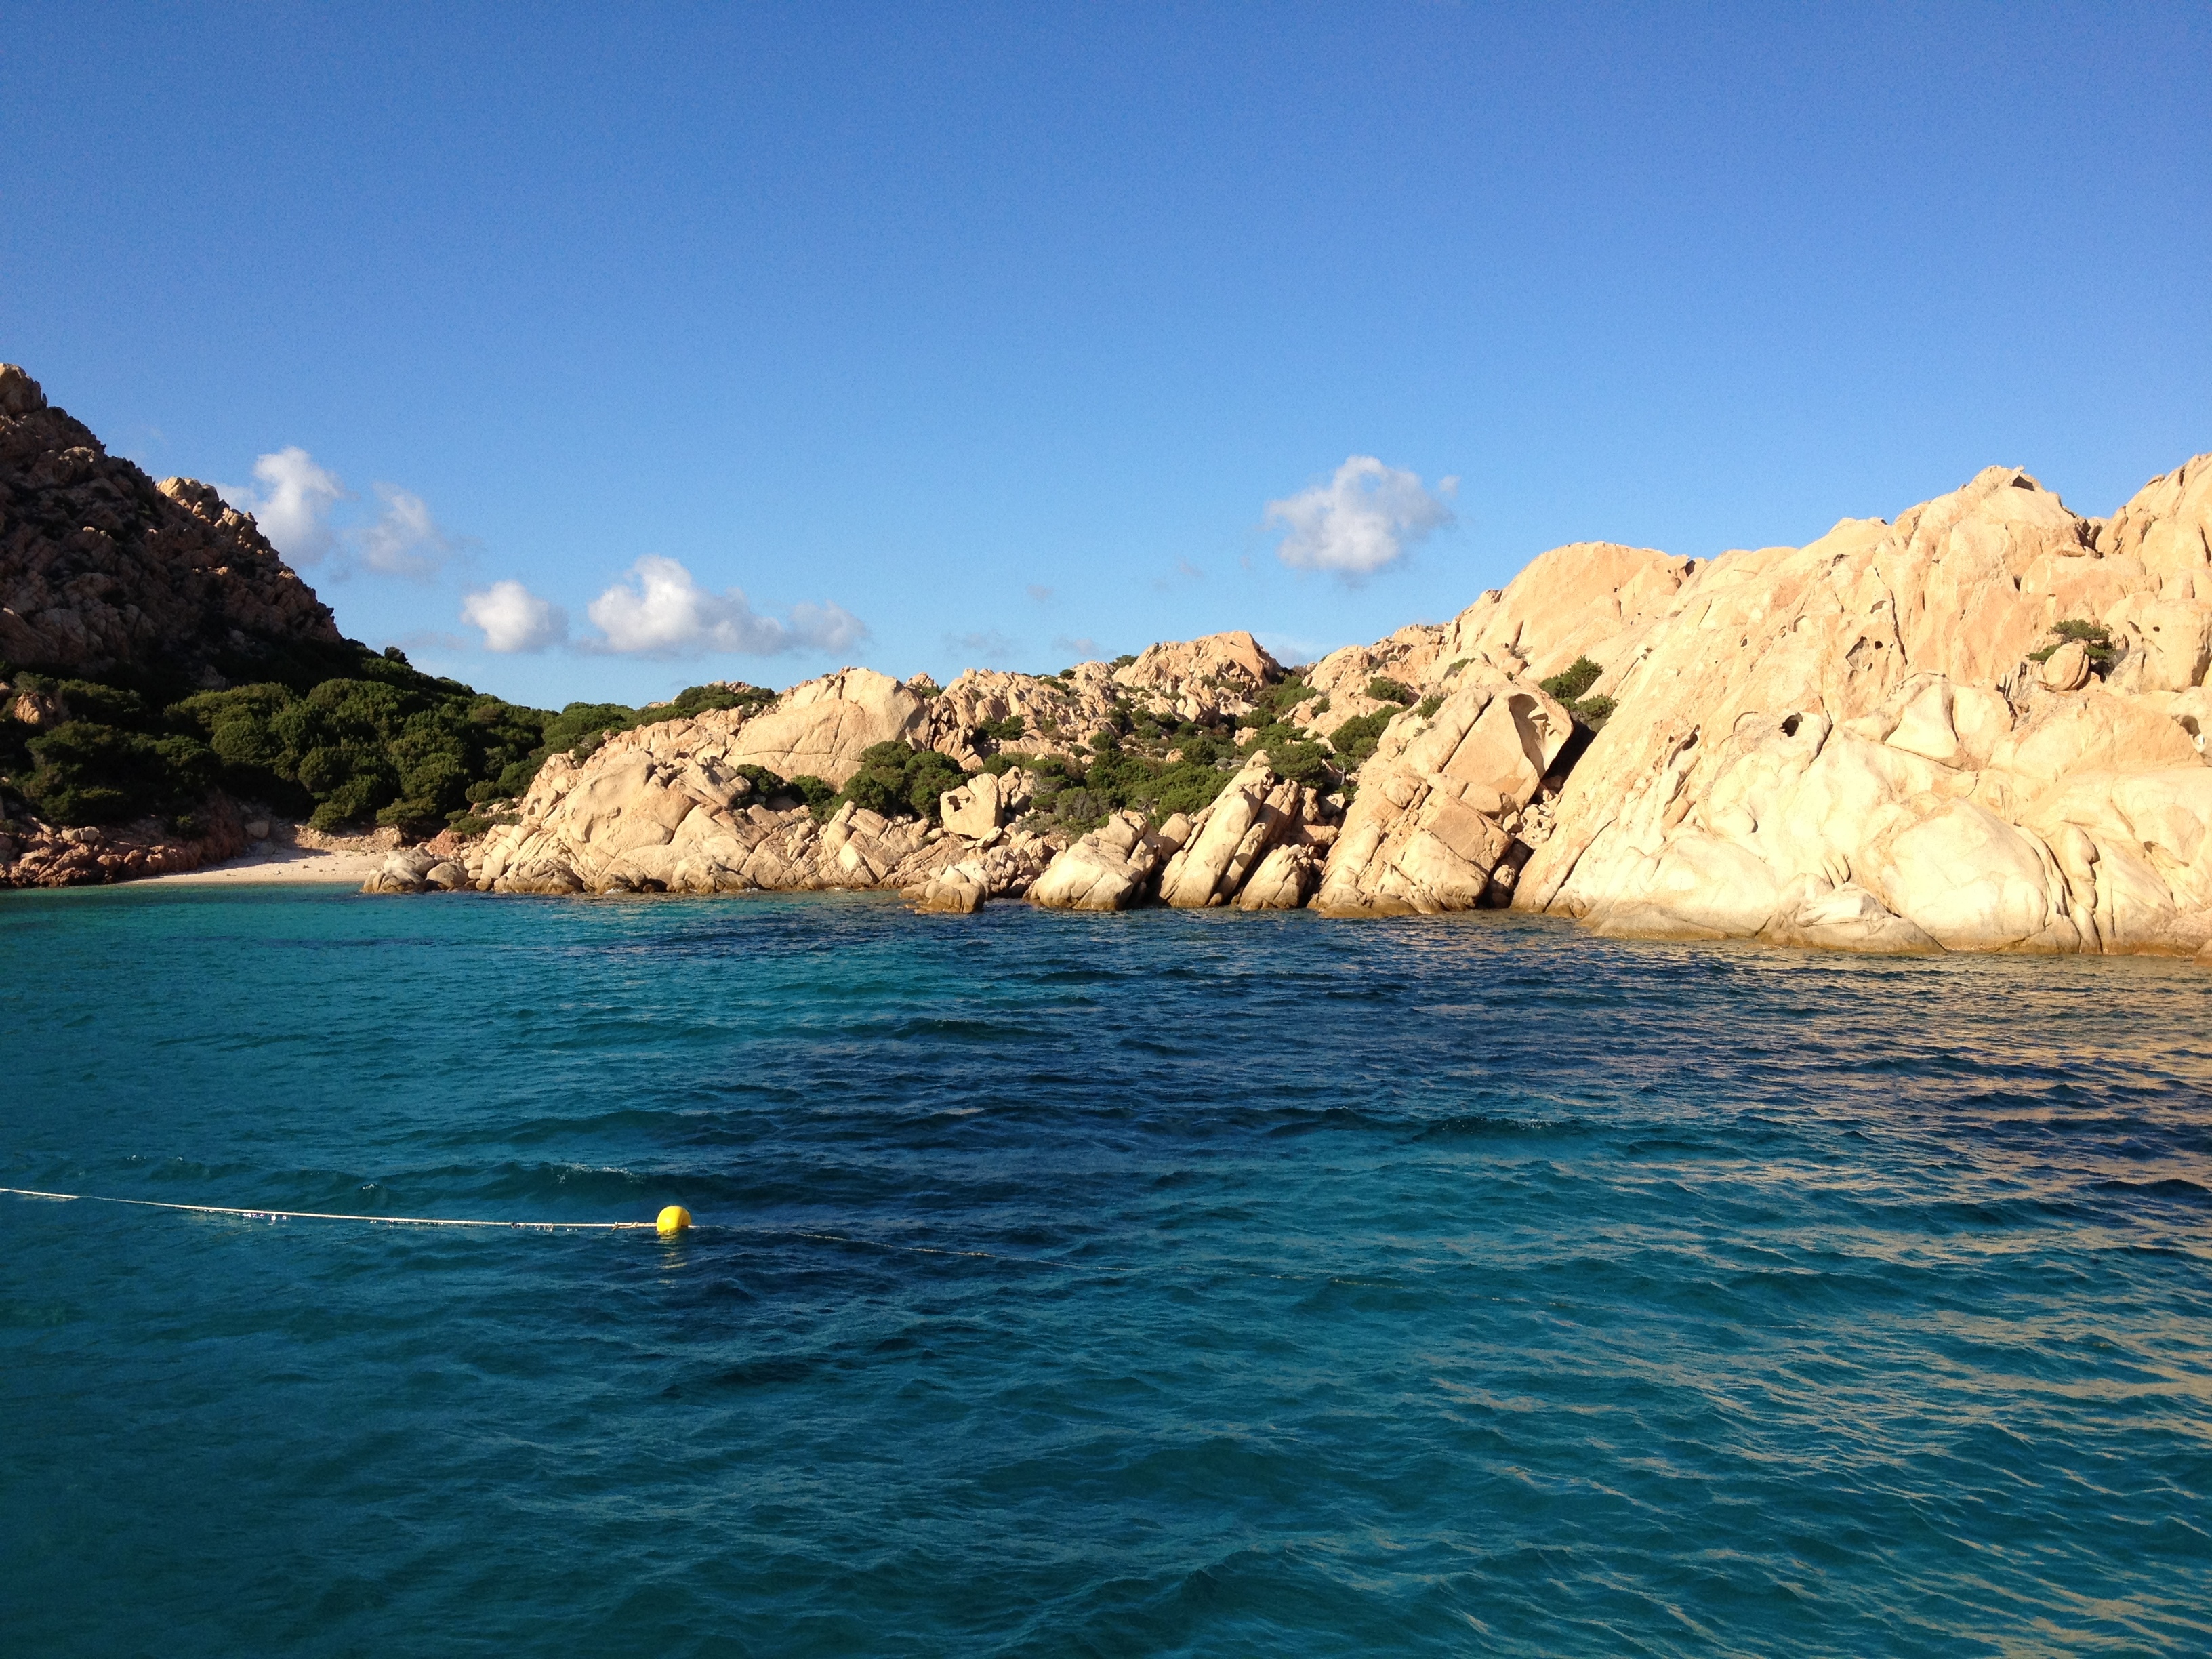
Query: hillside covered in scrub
{"type": "Point", "coordinates": [159, 660]}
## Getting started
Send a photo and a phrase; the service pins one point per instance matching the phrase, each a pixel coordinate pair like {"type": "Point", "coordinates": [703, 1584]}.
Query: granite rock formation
{"type": "Point", "coordinates": [102, 568]}
{"type": "Point", "coordinates": [1883, 740]}
{"type": "Point", "coordinates": [1851, 745]}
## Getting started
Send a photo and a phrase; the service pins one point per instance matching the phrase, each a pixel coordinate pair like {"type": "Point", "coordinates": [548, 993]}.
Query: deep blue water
{"type": "Point", "coordinates": [1156, 1284]}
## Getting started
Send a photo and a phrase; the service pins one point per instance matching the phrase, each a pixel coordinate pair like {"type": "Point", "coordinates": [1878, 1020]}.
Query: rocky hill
{"type": "Point", "coordinates": [1981, 727]}
{"type": "Point", "coordinates": [102, 569]}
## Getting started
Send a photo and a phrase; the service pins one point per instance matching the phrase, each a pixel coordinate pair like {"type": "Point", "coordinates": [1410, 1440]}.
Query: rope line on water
{"type": "Point", "coordinates": [326, 1215]}
{"type": "Point", "coordinates": [523, 1226]}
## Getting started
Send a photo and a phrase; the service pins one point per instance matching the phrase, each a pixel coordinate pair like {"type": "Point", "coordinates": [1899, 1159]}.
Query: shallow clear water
{"type": "Point", "coordinates": [1156, 1284]}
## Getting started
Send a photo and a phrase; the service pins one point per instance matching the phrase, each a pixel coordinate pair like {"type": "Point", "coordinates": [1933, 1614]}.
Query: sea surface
{"type": "Point", "coordinates": [1150, 1283]}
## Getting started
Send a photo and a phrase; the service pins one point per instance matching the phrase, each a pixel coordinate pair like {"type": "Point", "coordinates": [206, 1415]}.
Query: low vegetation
{"type": "Point", "coordinates": [1570, 686]}
{"type": "Point", "coordinates": [2094, 638]}
{"type": "Point", "coordinates": [342, 737]}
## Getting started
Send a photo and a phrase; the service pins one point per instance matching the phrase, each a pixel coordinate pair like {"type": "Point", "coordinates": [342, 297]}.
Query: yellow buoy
{"type": "Point", "coordinates": [673, 1220]}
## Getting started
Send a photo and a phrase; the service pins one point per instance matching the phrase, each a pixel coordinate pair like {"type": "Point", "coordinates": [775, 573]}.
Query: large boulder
{"type": "Point", "coordinates": [1428, 829]}
{"type": "Point", "coordinates": [822, 728]}
{"type": "Point", "coordinates": [1109, 869]}
{"type": "Point", "coordinates": [1254, 812]}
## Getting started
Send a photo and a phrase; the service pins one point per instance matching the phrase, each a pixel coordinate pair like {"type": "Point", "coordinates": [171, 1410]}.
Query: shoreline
{"type": "Point", "coordinates": [277, 866]}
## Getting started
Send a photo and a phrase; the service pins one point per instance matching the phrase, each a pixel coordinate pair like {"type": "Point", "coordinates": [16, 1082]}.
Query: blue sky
{"type": "Point", "coordinates": [989, 334]}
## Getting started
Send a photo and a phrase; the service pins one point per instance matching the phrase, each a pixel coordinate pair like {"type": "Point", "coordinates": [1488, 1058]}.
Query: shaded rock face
{"type": "Point", "coordinates": [102, 568]}
{"type": "Point", "coordinates": [1845, 744]}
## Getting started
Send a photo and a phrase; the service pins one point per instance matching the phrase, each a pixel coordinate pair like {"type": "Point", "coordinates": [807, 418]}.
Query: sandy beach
{"type": "Point", "coordinates": [280, 865]}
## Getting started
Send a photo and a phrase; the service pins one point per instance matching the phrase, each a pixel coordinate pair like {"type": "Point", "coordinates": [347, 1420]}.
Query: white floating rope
{"type": "Point", "coordinates": [326, 1215]}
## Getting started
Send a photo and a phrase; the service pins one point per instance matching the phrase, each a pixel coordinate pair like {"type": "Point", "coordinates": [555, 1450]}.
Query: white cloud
{"type": "Point", "coordinates": [293, 504]}
{"type": "Point", "coordinates": [1361, 519]}
{"type": "Point", "coordinates": [826, 627]}
{"type": "Point", "coordinates": [405, 540]}
{"type": "Point", "coordinates": [515, 619]}
{"type": "Point", "coordinates": [663, 612]}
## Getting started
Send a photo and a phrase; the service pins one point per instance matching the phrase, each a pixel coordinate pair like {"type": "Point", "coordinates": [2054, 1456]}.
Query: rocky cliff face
{"type": "Point", "coordinates": [1980, 727]}
{"type": "Point", "coordinates": [102, 568]}
{"type": "Point", "coordinates": [1847, 744]}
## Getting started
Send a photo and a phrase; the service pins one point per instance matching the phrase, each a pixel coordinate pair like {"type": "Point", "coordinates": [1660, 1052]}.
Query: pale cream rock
{"type": "Point", "coordinates": [1423, 832]}
{"type": "Point", "coordinates": [2067, 669]}
{"type": "Point", "coordinates": [1284, 879]}
{"type": "Point", "coordinates": [973, 810]}
{"type": "Point", "coordinates": [1255, 812]}
{"type": "Point", "coordinates": [820, 729]}
{"type": "Point", "coordinates": [1842, 745]}
{"type": "Point", "coordinates": [1574, 601]}
{"type": "Point", "coordinates": [960, 890]}
{"type": "Point", "coordinates": [1109, 869]}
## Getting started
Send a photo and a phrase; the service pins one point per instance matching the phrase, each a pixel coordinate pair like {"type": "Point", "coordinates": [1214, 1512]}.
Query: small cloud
{"type": "Point", "coordinates": [292, 504]}
{"type": "Point", "coordinates": [1361, 521]}
{"type": "Point", "coordinates": [1185, 571]}
{"type": "Point", "coordinates": [827, 627]}
{"type": "Point", "coordinates": [1041, 593]}
{"type": "Point", "coordinates": [985, 649]}
{"type": "Point", "coordinates": [515, 619]}
{"type": "Point", "coordinates": [1083, 647]}
{"type": "Point", "coordinates": [405, 540]}
{"type": "Point", "coordinates": [663, 612]}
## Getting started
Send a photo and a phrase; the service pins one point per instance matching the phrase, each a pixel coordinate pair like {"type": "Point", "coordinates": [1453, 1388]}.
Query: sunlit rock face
{"type": "Point", "coordinates": [1848, 744]}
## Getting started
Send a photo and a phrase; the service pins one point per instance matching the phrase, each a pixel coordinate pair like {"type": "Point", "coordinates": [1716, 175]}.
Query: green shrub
{"type": "Point", "coordinates": [2094, 638]}
{"type": "Point", "coordinates": [814, 794]}
{"type": "Point", "coordinates": [1570, 682]}
{"type": "Point", "coordinates": [896, 781]}
{"type": "Point", "coordinates": [83, 772]}
{"type": "Point", "coordinates": [1383, 688]}
{"type": "Point", "coordinates": [1278, 699]}
{"type": "Point", "coordinates": [1300, 761]}
{"type": "Point", "coordinates": [1010, 729]}
{"type": "Point", "coordinates": [1355, 740]}
{"type": "Point", "coordinates": [1595, 712]}
{"type": "Point", "coordinates": [1429, 705]}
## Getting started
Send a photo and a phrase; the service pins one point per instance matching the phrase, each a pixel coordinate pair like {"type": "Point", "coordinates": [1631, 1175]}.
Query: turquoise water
{"type": "Point", "coordinates": [1156, 1284]}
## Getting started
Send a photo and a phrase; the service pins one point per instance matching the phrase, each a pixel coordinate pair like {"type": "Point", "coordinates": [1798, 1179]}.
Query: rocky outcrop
{"type": "Point", "coordinates": [1433, 824]}
{"type": "Point", "coordinates": [821, 728]}
{"type": "Point", "coordinates": [670, 808]}
{"type": "Point", "coordinates": [102, 568]}
{"type": "Point", "coordinates": [1848, 744]}
{"type": "Point", "coordinates": [1208, 682]}
{"type": "Point", "coordinates": [1257, 813]}
{"type": "Point", "coordinates": [1879, 741]}
{"type": "Point", "coordinates": [1109, 869]}
{"type": "Point", "coordinates": [1214, 858]}
{"type": "Point", "coordinates": [33, 854]}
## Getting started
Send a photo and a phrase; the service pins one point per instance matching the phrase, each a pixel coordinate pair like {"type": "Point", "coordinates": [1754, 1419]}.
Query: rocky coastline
{"type": "Point", "coordinates": [1979, 726]}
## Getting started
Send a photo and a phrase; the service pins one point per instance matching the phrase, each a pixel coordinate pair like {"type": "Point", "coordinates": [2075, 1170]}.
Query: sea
{"type": "Point", "coordinates": [1150, 1284]}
